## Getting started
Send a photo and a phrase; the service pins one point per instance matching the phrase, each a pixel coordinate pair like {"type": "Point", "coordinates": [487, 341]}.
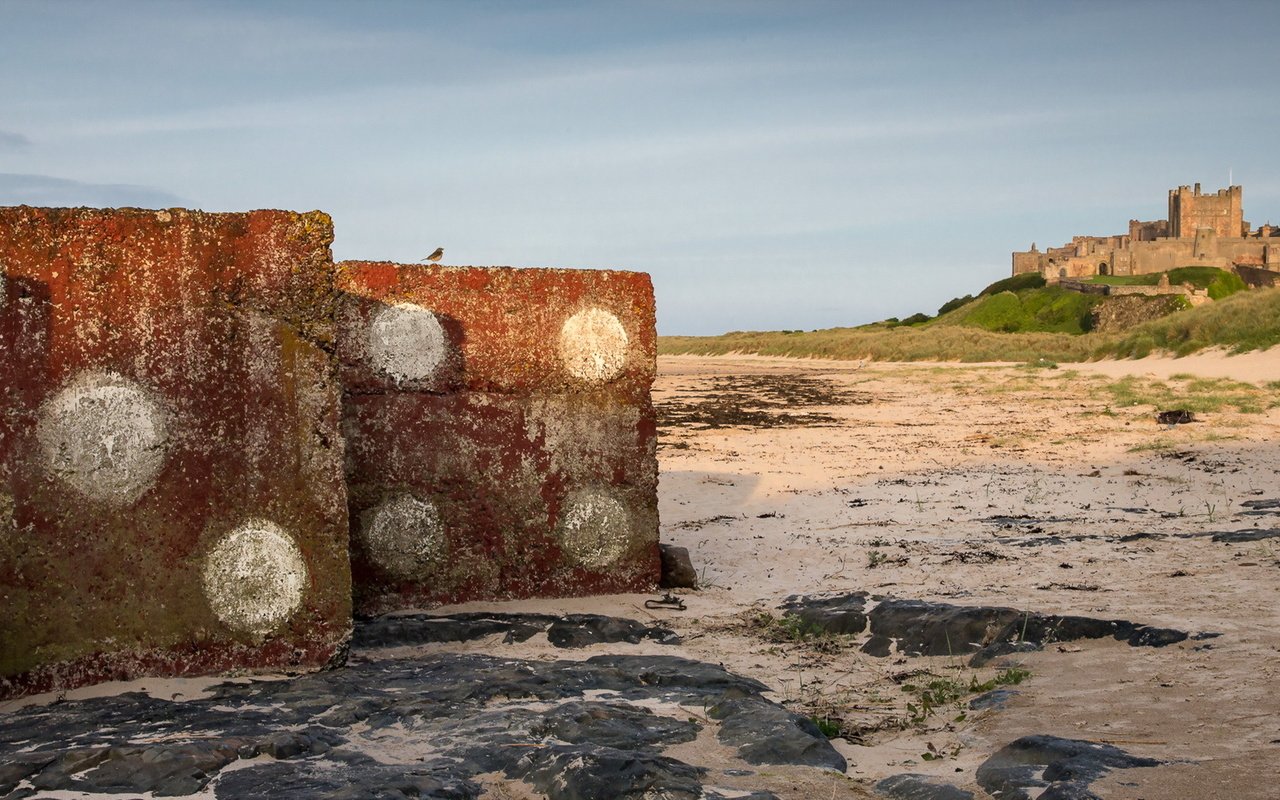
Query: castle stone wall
{"type": "Point", "coordinates": [1202, 230]}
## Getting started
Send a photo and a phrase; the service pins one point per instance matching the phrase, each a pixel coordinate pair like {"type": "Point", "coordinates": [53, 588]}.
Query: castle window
{"type": "Point", "coordinates": [1062, 273]}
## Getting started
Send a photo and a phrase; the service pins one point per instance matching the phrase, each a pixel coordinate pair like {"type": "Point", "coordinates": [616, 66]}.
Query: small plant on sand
{"type": "Point", "coordinates": [792, 629]}
{"type": "Point", "coordinates": [943, 692]}
{"type": "Point", "coordinates": [933, 753]}
{"type": "Point", "coordinates": [931, 696]}
{"type": "Point", "coordinates": [1035, 492]}
{"type": "Point", "coordinates": [830, 728]}
{"type": "Point", "coordinates": [875, 558]}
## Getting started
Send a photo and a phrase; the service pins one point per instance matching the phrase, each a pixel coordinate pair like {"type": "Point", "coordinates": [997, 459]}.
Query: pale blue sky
{"type": "Point", "coordinates": [771, 164]}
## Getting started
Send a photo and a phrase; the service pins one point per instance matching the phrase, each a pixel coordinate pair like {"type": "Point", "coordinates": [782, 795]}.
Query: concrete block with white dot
{"type": "Point", "coordinates": [410, 327]}
{"type": "Point", "coordinates": [171, 487]}
{"type": "Point", "coordinates": [501, 442]}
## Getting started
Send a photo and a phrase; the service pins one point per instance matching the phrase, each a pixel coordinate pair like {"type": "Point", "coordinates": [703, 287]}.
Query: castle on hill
{"type": "Point", "coordinates": [1202, 230]}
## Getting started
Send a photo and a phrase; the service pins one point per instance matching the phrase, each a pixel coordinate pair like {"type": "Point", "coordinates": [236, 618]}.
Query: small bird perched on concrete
{"type": "Point", "coordinates": [436, 256]}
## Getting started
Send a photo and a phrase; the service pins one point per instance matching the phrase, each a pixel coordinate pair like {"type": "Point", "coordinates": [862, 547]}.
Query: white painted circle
{"type": "Point", "coordinates": [403, 535]}
{"type": "Point", "coordinates": [406, 342]}
{"type": "Point", "coordinates": [254, 577]}
{"type": "Point", "coordinates": [594, 528]}
{"type": "Point", "coordinates": [105, 436]}
{"type": "Point", "coordinates": [593, 345]}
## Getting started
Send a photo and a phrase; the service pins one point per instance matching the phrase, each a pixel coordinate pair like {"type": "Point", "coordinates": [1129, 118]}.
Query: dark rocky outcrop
{"type": "Point", "coordinates": [345, 776]}
{"type": "Point", "coordinates": [1052, 768]}
{"type": "Point", "coordinates": [922, 627]}
{"type": "Point", "coordinates": [993, 651]}
{"type": "Point", "coordinates": [996, 698]}
{"type": "Point", "coordinates": [920, 787]}
{"type": "Point", "coordinates": [1176, 416]}
{"type": "Point", "coordinates": [425, 726]}
{"type": "Point", "coordinates": [765, 733]}
{"type": "Point", "coordinates": [1260, 507]}
{"type": "Point", "coordinates": [843, 614]}
{"type": "Point", "coordinates": [677, 568]}
{"type": "Point", "coordinates": [1247, 535]}
{"type": "Point", "coordinates": [571, 630]}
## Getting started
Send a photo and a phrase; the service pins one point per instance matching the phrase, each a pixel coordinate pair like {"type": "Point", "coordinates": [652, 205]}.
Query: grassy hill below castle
{"type": "Point", "coordinates": [1022, 319]}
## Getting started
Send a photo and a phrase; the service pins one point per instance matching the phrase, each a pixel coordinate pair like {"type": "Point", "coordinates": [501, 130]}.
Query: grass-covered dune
{"type": "Point", "coordinates": [1244, 321]}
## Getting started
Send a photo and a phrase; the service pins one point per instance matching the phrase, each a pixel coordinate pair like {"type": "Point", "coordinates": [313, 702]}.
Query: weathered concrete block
{"type": "Point", "coordinates": [474, 495]}
{"type": "Point", "coordinates": [500, 438]}
{"type": "Point", "coordinates": [171, 488]}
{"type": "Point", "coordinates": [495, 329]}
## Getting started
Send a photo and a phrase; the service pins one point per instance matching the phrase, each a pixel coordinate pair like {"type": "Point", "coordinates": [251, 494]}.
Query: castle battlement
{"type": "Point", "coordinates": [1204, 230]}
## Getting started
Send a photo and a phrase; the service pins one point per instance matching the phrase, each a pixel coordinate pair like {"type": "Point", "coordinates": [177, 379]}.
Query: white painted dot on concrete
{"type": "Point", "coordinates": [254, 577]}
{"type": "Point", "coordinates": [403, 535]}
{"type": "Point", "coordinates": [594, 528]}
{"type": "Point", "coordinates": [406, 342]}
{"type": "Point", "coordinates": [104, 435]}
{"type": "Point", "coordinates": [593, 345]}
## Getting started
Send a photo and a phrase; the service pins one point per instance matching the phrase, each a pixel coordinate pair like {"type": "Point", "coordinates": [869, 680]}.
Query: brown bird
{"type": "Point", "coordinates": [436, 256]}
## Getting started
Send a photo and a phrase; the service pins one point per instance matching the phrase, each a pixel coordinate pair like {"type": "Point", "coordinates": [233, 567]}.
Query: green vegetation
{"type": "Point", "coordinates": [1198, 395]}
{"type": "Point", "coordinates": [1220, 283]}
{"type": "Point", "coordinates": [954, 303]}
{"type": "Point", "coordinates": [791, 629]}
{"type": "Point", "coordinates": [1048, 309]}
{"type": "Point", "coordinates": [1018, 283]}
{"type": "Point", "coordinates": [938, 693]}
{"type": "Point", "coordinates": [1242, 322]}
{"type": "Point", "coordinates": [925, 343]}
{"type": "Point", "coordinates": [829, 729]}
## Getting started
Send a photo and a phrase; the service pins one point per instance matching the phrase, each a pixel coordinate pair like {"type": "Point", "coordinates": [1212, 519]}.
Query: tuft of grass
{"type": "Point", "coordinates": [791, 629]}
{"type": "Point", "coordinates": [830, 729]}
{"type": "Point", "coordinates": [940, 693]}
{"type": "Point", "coordinates": [1200, 395]}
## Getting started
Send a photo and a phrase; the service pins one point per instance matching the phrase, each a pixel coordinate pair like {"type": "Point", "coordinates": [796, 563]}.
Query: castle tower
{"type": "Point", "coordinates": [1189, 211]}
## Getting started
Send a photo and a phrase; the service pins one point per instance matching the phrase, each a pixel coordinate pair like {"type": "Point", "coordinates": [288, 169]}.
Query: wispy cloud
{"type": "Point", "coordinates": [46, 190]}
{"type": "Point", "coordinates": [12, 140]}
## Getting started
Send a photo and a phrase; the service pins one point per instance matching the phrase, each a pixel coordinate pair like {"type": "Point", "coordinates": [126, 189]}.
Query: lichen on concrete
{"type": "Point", "coordinates": [406, 342]}
{"type": "Point", "coordinates": [254, 577]}
{"type": "Point", "coordinates": [403, 535]}
{"type": "Point", "coordinates": [594, 528]}
{"type": "Point", "coordinates": [593, 345]}
{"type": "Point", "coordinates": [105, 436]}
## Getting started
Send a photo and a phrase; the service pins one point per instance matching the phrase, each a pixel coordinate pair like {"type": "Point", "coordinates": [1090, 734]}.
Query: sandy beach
{"type": "Point", "coordinates": [1046, 490]}
{"type": "Point", "coordinates": [985, 485]}
{"type": "Point", "coordinates": [917, 461]}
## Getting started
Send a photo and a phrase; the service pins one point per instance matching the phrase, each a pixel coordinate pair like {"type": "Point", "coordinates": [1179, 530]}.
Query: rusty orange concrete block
{"type": "Point", "coordinates": [500, 437]}
{"type": "Point", "coordinates": [474, 495]}
{"type": "Point", "coordinates": [408, 327]}
{"type": "Point", "coordinates": [171, 487]}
